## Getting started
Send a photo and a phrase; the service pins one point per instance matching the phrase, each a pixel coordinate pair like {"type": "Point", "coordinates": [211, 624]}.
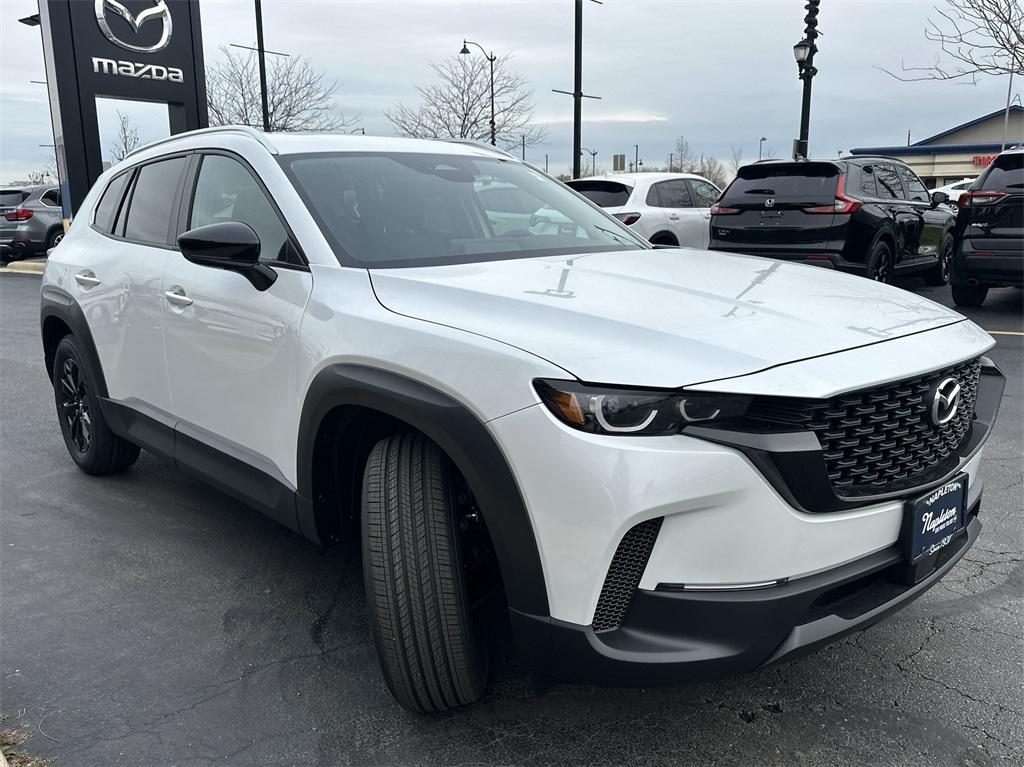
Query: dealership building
{"type": "Point", "coordinates": [959, 152]}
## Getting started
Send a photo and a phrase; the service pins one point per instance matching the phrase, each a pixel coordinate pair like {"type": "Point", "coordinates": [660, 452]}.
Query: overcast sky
{"type": "Point", "coordinates": [722, 72]}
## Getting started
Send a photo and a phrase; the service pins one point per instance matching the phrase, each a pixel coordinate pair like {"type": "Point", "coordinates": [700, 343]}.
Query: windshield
{"type": "Point", "coordinates": [384, 210]}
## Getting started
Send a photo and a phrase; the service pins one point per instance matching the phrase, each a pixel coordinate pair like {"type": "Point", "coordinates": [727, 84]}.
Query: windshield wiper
{"type": "Point", "coordinates": [616, 235]}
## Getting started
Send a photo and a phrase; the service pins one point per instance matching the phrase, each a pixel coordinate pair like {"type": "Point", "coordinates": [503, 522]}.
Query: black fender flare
{"type": "Point", "coordinates": [466, 441]}
{"type": "Point", "coordinates": [888, 231]}
{"type": "Point", "coordinates": [59, 304]}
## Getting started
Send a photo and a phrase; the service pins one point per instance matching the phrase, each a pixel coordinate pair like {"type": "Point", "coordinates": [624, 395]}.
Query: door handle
{"type": "Point", "coordinates": [673, 217]}
{"type": "Point", "coordinates": [87, 279]}
{"type": "Point", "coordinates": [177, 296]}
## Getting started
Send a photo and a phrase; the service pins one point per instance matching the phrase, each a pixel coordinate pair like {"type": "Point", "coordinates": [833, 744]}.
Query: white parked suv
{"type": "Point", "coordinates": [671, 469]}
{"type": "Point", "coordinates": [663, 208]}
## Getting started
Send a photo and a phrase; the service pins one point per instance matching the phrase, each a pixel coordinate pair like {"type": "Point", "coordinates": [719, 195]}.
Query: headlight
{"type": "Point", "coordinates": [635, 412]}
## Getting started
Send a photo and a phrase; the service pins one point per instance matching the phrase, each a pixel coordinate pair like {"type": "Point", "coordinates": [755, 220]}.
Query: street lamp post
{"type": "Point", "coordinates": [804, 52]}
{"type": "Point", "coordinates": [491, 58]}
{"type": "Point", "coordinates": [593, 159]}
{"type": "Point", "coordinates": [636, 158]}
{"type": "Point", "coordinates": [760, 147]}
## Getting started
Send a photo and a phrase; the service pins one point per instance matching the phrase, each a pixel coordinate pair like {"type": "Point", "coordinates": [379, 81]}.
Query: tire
{"type": "Point", "coordinates": [419, 614]}
{"type": "Point", "coordinates": [664, 238]}
{"type": "Point", "coordinates": [88, 438]}
{"type": "Point", "coordinates": [880, 264]}
{"type": "Point", "coordinates": [54, 238]}
{"type": "Point", "coordinates": [938, 275]}
{"type": "Point", "coordinates": [969, 295]}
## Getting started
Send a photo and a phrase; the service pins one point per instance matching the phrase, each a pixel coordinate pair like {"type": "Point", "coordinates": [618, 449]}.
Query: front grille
{"type": "Point", "coordinates": [880, 439]}
{"type": "Point", "coordinates": [624, 574]}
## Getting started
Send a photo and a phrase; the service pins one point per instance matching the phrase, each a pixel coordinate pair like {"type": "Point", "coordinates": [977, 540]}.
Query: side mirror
{"type": "Point", "coordinates": [938, 198]}
{"type": "Point", "coordinates": [230, 245]}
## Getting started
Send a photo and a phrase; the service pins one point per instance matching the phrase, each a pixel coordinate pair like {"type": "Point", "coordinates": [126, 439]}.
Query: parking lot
{"type": "Point", "coordinates": [150, 620]}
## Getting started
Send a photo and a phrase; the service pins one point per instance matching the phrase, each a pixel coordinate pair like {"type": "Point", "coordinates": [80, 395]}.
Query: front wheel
{"type": "Point", "coordinates": [89, 440]}
{"type": "Point", "coordinates": [938, 275]}
{"type": "Point", "coordinates": [880, 263]}
{"type": "Point", "coordinates": [420, 616]}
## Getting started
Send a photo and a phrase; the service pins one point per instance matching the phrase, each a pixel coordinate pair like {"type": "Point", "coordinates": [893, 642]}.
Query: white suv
{"type": "Point", "coordinates": [664, 208]}
{"type": "Point", "coordinates": [670, 468]}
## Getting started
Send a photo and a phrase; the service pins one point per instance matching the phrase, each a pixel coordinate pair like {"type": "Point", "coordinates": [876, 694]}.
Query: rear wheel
{"type": "Point", "coordinates": [420, 616]}
{"type": "Point", "coordinates": [664, 238]}
{"type": "Point", "coordinates": [55, 237]}
{"type": "Point", "coordinates": [938, 275]}
{"type": "Point", "coordinates": [880, 262]}
{"type": "Point", "coordinates": [89, 440]}
{"type": "Point", "coordinates": [969, 295]}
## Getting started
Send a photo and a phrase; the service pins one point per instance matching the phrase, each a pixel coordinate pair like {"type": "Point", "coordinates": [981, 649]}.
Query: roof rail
{"type": "Point", "coordinates": [244, 130]}
{"type": "Point", "coordinates": [481, 145]}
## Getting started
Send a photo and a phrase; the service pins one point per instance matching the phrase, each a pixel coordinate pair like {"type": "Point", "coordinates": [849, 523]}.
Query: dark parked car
{"type": "Point", "coordinates": [866, 215]}
{"type": "Point", "coordinates": [990, 231]}
{"type": "Point", "coordinates": [31, 221]}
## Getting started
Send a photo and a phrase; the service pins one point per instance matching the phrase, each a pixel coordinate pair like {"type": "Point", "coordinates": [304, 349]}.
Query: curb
{"type": "Point", "coordinates": [25, 267]}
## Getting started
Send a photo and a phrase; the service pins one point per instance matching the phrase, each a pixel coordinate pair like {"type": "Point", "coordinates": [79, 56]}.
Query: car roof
{"type": "Point", "coordinates": [638, 177]}
{"type": "Point", "coordinates": [316, 142]}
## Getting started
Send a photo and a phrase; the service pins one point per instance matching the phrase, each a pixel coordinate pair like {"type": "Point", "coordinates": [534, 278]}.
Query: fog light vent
{"type": "Point", "coordinates": [624, 574]}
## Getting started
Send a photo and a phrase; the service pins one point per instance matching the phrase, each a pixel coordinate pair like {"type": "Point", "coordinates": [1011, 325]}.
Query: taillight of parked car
{"type": "Point", "coordinates": [18, 214]}
{"type": "Point", "coordinates": [627, 218]}
{"type": "Point", "coordinates": [843, 203]}
{"type": "Point", "coordinates": [979, 198]}
{"type": "Point", "coordinates": [721, 210]}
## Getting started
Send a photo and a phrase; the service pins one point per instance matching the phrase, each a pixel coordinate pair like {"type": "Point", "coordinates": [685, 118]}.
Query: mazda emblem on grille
{"type": "Point", "coordinates": [945, 401]}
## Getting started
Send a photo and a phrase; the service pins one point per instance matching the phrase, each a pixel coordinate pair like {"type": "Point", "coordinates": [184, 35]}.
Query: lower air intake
{"type": "Point", "coordinates": [624, 574]}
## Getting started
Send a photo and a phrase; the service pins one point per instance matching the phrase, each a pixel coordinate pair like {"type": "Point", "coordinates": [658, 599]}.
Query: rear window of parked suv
{"type": "Point", "coordinates": [607, 194]}
{"type": "Point", "coordinates": [10, 198]}
{"type": "Point", "coordinates": [805, 182]}
{"type": "Point", "coordinates": [1005, 174]}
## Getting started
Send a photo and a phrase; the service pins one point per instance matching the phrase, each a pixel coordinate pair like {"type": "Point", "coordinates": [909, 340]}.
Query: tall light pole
{"type": "Point", "coordinates": [577, 92]}
{"type": "Point", "coordinates": [760, 146]}
{"type": "Point", "coordinates": [636, 158]}
{"type": "Point", "coordinates": [261, 56]}
{"type": "Point", "coordinates": [490, 58]}
{"type": "Point", "coordinates": [804, 52]}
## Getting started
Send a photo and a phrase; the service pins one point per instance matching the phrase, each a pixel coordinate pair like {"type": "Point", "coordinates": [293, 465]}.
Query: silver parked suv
{"type": "Point", "coordinates": [31, 221]}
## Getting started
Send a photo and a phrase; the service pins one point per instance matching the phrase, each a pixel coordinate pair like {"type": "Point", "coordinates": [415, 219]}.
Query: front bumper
{"type": "Point", "coordinates": [674, 637]}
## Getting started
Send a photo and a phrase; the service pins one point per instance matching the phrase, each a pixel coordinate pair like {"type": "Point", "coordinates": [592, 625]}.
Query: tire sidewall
{"type": "Point", "coordinates": [879, 251]}
{"type": "Point", "coordinates": [68, 349]}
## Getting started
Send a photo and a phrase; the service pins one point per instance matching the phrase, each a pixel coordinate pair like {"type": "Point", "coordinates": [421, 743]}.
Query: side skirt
{"type": "Point", "coordinates": [229, 468]}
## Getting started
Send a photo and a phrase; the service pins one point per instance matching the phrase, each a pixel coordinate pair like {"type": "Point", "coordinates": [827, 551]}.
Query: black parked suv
{"type": "Point", "coordinates": [990, 231]}
{"type": "Point", "coordinates": [866, 215]}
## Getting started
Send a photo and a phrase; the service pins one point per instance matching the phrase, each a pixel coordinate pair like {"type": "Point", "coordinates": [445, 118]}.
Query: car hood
{"type": "Point", "coordinates": [660, 318]}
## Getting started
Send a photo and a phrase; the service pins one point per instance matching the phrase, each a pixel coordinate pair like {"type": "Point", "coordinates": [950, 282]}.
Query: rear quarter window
{"type": "Point", "coordinates": [107, 207]}
{"type": "Point", "coordinates": [606, 194]}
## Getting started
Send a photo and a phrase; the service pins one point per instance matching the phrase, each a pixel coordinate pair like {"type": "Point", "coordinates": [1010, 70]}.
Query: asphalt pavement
{"type": "Point", "coordinates": [146, 619]}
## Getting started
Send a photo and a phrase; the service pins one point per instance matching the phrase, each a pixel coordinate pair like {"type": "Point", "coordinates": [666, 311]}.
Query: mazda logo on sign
{"type": "Point", "coordinates": [160, 12]}
{"type": "Point", "coordinates": [945, 401]}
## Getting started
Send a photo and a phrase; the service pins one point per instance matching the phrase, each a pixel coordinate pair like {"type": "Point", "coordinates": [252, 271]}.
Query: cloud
{"type": "Point", "coordinates": [612, 117]}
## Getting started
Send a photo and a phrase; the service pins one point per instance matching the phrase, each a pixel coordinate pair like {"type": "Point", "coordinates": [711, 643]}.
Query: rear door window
{"type": "Point", "coordinates": [804, 183]}
{"type": "Point", "coordinates": [606, 194]}
{"type": "Point", "coordinates": [152, 201]}
{"type": "Point", "coordinates": [888, 181]}
{"type": "Point", "coordinates": [110, 202]}
{"type": "Point", "coordinates": [670, 194]}
{"type": "Point", "coordinates": [1005, 174]}
{"type": "Point", "coordinates": [915, 190]}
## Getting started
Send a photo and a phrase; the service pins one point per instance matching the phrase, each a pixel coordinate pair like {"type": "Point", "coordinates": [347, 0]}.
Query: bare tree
{"type": "Point", "coordinates": [47, 174]}
{"type": "Point", "coordinates": [711, 169]}
{"type": "Point", "coordinates": [683, 156]}
{"type": "Point", "coordinates": [975, 37]}
{"type": "Point", "coordinates": [126, 140]}
{"type": "Point", "coordinates": [735, 160]}
{"type": "Point", "coordinates": [459, 104]}
{"type": "Point", "coordinates": [299, 98]}
{"type": "Point", "coordinates": [768, 152]}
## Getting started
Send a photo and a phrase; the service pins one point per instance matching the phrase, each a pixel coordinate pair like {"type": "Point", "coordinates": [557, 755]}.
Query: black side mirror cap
{"type": "Point", "coordinates": [229, 245]}
{"type": "Point", "coordinates": [938, 198]}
